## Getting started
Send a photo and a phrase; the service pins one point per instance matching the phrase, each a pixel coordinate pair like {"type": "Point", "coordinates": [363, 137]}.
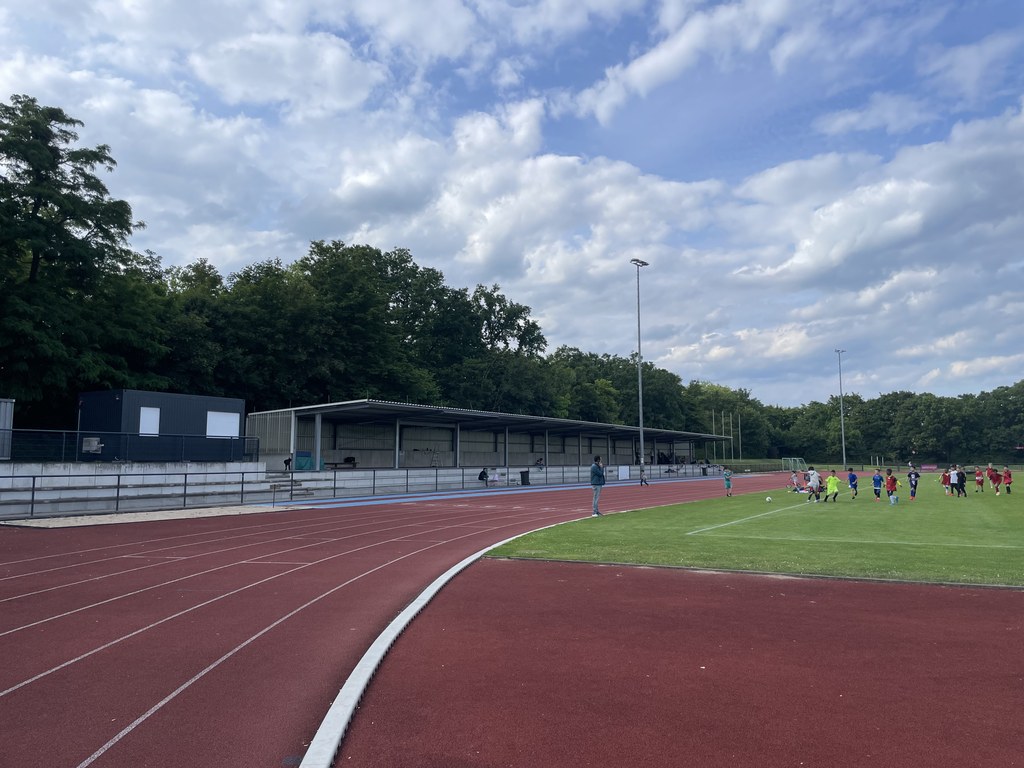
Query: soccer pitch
{"type": "Point", "coordinates": [936, 538]}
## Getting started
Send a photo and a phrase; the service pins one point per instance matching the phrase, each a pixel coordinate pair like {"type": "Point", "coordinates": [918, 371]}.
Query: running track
{"type": "Point", "coordinates": [223, 641]}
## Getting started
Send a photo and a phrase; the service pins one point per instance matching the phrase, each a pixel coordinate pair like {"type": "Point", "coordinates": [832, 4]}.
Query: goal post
{"type": "Point", "coordinates": [794, 464]}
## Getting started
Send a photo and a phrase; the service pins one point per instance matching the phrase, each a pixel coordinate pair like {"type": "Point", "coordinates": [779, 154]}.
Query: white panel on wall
{"type": "Point", "coordinates": [149, 421]}
{"type": "Point", "coordinates": [221, 424]}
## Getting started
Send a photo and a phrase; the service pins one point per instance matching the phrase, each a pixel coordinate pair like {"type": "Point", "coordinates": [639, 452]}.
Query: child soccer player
{"type": "Point", "coordinates": [851, 479]}
{"type": "Point", "coordinates": [945, 481]}
{"type": "Point", "coordinates": [832, 487]}
{"type": "Point", "coordinates": [813, 484]}
{"type": "Point", "coordinates": [913, 476]}
{"type": "Point", "coordinates": [890, 487]}
{"type": "Point", "coordinates": [727, 477]}
{"type": "Point", "coordinates": [997, 480]}
{"type": "Point", "coordinates": [794, 483]}
{"type": "Point", "coordinates": [1007, 478]}
{"type": "Point", "coordinates": [876, 484]}
{"type": "Point", "coordinates": [979, 480]}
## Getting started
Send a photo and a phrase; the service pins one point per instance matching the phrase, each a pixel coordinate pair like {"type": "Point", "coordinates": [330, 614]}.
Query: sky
{"type": "Point", "coordinates": [802, 176]}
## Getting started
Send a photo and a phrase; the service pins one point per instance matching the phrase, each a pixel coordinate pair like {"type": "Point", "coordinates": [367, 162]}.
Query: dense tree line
{"type": "Point", "coordinates": [80, 311]}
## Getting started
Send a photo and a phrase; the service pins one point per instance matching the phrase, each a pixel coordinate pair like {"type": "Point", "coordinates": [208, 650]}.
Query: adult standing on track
{"type": "Point", "coordinates": [597, 482]}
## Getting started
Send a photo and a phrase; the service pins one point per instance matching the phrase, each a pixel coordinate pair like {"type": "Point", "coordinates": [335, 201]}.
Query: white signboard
{"type": "Point", "coordinates": [221, 424]}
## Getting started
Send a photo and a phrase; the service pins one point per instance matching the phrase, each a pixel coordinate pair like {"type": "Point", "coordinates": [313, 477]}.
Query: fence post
{"type": "Point", "coordinates": [117, 494]}
{"type": "Point", "coordinates": [184, 492]}
{"type": "Point", "coordinates": [32, 499]}
{"type": "Point", "coordinates": [241, 498]}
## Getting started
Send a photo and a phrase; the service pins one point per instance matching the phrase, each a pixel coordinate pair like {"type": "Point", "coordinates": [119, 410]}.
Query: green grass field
{"type": "Point", "coordinates": [973, 540]}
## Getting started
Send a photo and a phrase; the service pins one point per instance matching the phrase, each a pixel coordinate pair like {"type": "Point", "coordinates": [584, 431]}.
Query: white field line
{"type": "Point", "coordinates": [744, 519]}
{"type": "Point", "coordinates": [878, 541]}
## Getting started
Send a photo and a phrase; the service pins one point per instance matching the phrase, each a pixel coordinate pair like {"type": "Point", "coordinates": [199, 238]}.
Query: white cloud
{"type": "Point", "coordinates": [889, 112]}
{"type": "Point", "coordinates": [424, 31]}
{"type": "Point", "coordinates": [972, 71]}
{"type": "Point", "coordinates": [231, 249]}
{"type": "Point", "coordinates": [314, 74]}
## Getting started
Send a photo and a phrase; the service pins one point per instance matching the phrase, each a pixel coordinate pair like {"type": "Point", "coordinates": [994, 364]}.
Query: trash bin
{"type": "Point", "coordinates": [524, 477]}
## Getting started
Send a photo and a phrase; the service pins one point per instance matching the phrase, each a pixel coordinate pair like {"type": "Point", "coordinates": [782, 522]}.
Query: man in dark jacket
{"type": "Point", "coordinates": [597, 482]}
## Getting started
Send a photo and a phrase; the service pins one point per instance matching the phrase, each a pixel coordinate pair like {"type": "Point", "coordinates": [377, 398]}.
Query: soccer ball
{"type": "Point", "coordinates": [768, 498]}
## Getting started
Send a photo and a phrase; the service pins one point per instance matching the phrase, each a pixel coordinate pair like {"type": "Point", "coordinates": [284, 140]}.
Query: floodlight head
{"type": "Point", "coordinates": [639, 262]}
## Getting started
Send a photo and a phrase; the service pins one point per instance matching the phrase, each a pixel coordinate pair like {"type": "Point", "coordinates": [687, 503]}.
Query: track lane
{"type": "Point", "coordinates": [284, 678]}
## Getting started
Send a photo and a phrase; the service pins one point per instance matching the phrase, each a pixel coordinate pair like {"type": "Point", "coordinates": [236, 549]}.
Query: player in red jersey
{"type": "Point", "coordinates": [997, 480]}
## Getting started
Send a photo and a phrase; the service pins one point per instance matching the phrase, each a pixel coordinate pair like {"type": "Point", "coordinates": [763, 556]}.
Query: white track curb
{"type": "Point", "coordinates": [324, 746]}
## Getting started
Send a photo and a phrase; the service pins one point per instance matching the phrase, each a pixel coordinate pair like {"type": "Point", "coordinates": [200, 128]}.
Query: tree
{"type": "Point", "coordinates": [57, 212]}
{"type": "Point", "coordinates": [506, 324]}
{"type": "Point", "coordinates": [196, 324]}
{"type": "Point", "coordinates": [77, 306]}
{"type": "Point", "coordinates": [359, 343]}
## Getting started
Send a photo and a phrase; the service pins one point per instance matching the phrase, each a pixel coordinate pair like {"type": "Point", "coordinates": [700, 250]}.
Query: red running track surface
{"type": "Point", "coordinates": [222, 641]}
{"type": "Point", "coordinates": [564, 664]}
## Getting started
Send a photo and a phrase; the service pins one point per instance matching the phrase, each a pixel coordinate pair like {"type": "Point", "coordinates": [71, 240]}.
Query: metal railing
{"type": "Point", "coordinates": [39, 445]}
{"type": "Point", "coordinates": [51, 495]}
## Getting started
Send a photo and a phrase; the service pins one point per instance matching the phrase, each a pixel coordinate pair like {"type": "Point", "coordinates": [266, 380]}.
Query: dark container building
{"type": "Point", "coordinates": [134, 425]}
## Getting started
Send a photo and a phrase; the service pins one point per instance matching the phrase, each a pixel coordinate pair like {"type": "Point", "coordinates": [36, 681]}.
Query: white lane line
{"type": "Point", "coordinates": [325, 743]}
{"type": "Point", "coordinates": [254, 529]}
{"type": "Point", "coordinates": [201, 674]}
{"type": "Point", "coordinates": [406, 523]}
{"type": "Point", "coordinates": [173, 616]}
{"type": "Point", "coordinates": [200, 573]}
{"type": "Point", "coordinates": [296, 527]}
{"type": "Point", "coordinates": [188, 683]}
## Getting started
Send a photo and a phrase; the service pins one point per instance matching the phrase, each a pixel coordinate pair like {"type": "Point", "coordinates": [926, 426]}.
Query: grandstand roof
{"type": "Point", "coordinates": [369, 411]}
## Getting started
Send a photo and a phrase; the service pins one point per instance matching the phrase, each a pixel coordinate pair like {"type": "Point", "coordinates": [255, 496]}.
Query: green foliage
{"type": "Point", "coordinates": [57, 213]}
{"type": "Point", "coordinates": [78, 309]}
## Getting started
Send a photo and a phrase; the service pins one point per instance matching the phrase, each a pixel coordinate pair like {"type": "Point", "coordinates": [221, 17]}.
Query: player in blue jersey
{"type": "Point", "coordinates": [876, 484]}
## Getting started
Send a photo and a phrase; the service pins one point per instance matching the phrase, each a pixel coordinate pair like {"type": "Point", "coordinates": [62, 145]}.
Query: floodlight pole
{"type": "Point", "coordinates": [639, 358]}
{"type": "Point", "coordinates": [842, 424]}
